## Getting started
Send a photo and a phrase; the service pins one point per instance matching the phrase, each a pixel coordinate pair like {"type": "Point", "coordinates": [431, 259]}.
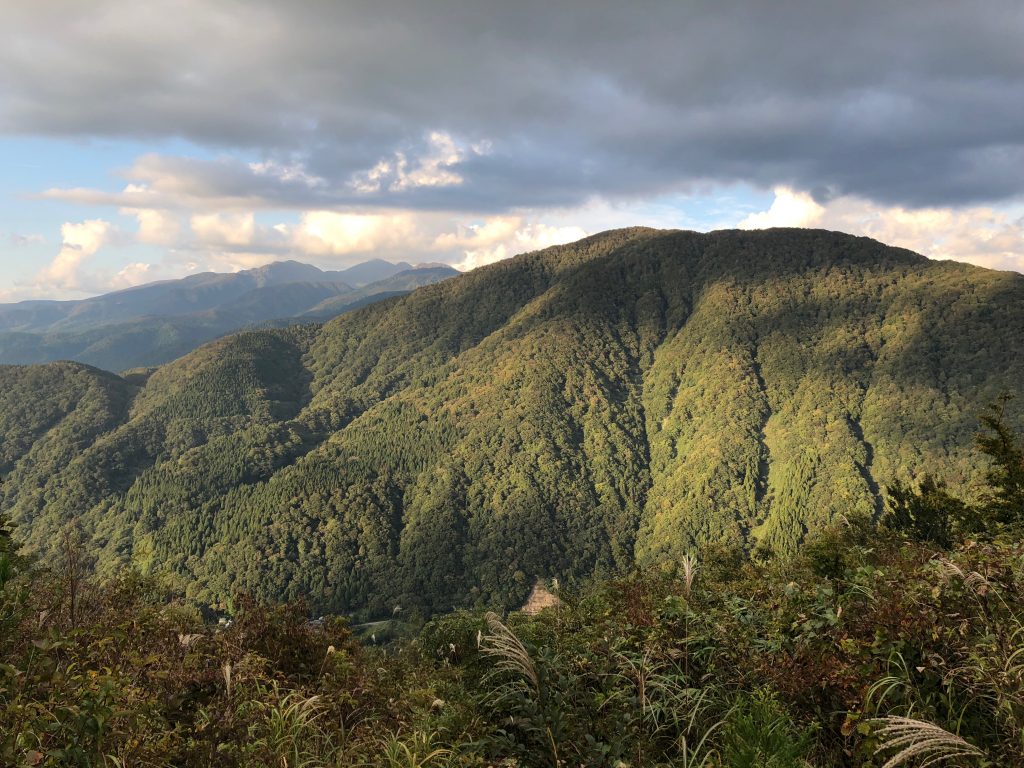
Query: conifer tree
{"type": "Point", "coordinates": [1005, 504]}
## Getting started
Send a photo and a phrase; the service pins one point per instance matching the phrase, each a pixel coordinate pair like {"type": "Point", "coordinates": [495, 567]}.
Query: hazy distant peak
{"type": "Point", "coordinates": [290, 271]}
{"type": "Point", "coordinates": [371, 272]}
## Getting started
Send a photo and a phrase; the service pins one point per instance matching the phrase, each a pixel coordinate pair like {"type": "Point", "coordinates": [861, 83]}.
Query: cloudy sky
{"type": "Point", "coordinates": [144, 139]}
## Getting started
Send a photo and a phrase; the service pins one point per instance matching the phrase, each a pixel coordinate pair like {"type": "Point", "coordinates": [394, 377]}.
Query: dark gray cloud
{"type": "Point", "coordinates": [915, 103]}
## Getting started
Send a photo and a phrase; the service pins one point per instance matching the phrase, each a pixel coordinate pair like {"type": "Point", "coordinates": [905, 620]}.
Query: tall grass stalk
{"type": "Point", "coordinates": [510, 655]}
{"type": "Point", "coordinates": [689, 563]}
{"type": "Point", "coordinates": [920, 741]}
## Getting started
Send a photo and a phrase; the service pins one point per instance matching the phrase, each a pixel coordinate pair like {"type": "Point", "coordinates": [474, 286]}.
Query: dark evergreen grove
{"type": "Point", "coordinates": [573, 412]}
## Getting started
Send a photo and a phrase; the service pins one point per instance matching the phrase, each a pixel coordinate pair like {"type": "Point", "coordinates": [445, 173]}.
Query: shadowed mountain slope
{"type": "Point", "coordinates": [625, 398]}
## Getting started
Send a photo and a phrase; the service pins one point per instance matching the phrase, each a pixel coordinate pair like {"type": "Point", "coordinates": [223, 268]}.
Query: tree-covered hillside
{"type": "Point", "coordinates": [565, 413]}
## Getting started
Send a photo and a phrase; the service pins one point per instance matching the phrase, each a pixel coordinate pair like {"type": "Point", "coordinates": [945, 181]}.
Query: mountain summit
{"type": "Point", "coordinates": [627, 398]}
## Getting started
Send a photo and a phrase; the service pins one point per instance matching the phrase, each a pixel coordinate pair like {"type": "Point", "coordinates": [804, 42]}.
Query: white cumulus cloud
{"type": "Point", "coordinates": [328, 233]}
{"type": "Point", "coordinates": [981, 235]}
{"type": "Point", "coordinates": [156, 227]}
{"type": "Point", "coordinates": [79, 241]}
{"type": "Point", "coordinates": [133, 274]}
{"type": "Point", "coordinates": [789, 209]}
{"type": "Point", "coordinates": [435, 167]}
{"type": "Point", "coordinates": [224, 228]}
{"type": "Point", "coordinates": [500, 237]}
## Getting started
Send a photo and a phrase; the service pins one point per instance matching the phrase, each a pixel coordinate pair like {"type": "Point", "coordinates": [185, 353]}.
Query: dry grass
{"type": "Point", "coordinates": [225, 671]}
{"type": "Point", "coordinates": [689, 563]}
{"type": "Point", "coordinates": [924, 743]}
{"type": "Point", "coordinates": [972, 580]}
{"type": "Point", "coordinates": [510, 655]}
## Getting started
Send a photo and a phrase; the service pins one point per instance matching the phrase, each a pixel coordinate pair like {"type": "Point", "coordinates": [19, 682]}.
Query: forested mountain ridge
{"type": "Point", "coordinates": [155, 323]}
{"type": "Point", "coordinates": [570, 411]}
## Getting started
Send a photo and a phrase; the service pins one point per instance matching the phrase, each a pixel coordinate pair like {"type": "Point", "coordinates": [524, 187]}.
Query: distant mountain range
{"type": "Point", "coordinates": [155, 323]}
